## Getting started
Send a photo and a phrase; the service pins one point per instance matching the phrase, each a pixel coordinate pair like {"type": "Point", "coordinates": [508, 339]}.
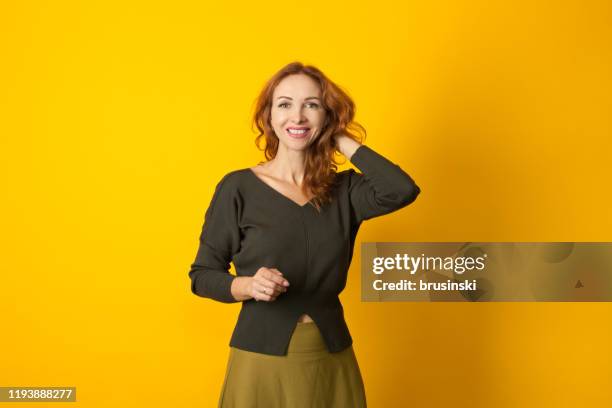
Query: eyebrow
{"type": "Point", "coordinates": [310, 97]}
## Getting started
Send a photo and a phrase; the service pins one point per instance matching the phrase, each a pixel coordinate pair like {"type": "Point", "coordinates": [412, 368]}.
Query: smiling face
{"type": "Point", "coordinates": [297, 114]}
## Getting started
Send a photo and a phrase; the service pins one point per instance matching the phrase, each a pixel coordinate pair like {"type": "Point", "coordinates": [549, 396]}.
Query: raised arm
{"type": "Point", "coordinates": [381, 187]}
{"type": "Point", "coordinates": [219, 241]}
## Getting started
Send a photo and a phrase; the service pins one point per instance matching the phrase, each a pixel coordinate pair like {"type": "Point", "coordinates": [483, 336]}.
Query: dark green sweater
{"type": "Point", "coordinates": [252, 225]}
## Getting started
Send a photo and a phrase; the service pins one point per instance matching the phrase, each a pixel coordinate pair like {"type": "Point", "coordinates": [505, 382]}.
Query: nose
{"type": "Point", "coordinates": [297, 116]}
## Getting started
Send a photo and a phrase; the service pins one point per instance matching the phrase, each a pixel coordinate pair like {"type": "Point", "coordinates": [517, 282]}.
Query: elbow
{"type": "Point", "coordinates": [414, 193]}
{"type": "Point", "coordinates": [408, 193]}
{"type": "Point", "coordinates": [195, 288]}
{"type": "Point", "coordinates": [397, 198]}
{"type": "Point", "coordinates": [211, 284]}
{"type": "Point", "coordinates": [198, 286]}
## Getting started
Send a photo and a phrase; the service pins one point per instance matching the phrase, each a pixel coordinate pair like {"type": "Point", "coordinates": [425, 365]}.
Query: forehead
{"type": "Point", "coordinates": [297, 86]}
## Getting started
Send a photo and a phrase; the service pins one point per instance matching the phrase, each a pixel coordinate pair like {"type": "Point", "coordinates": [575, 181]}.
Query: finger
{"type": "Point", "coordinates": [267, 272]}
{"type": "Point", "coordinates": [276, 271]}
{"type": "Point", "coordinates": [263, 292]}
{"type": "Point", "coordinates": [279, 279]}
{"type": "Point", "coordinates": [273, 286]}
{"type": "Point", "coordinates": [272, 280]}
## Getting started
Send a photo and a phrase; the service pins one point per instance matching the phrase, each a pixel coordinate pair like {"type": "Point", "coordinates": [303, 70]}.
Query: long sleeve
{"type": "Point", "coordinates": [219, 241]}
{"type": "Point", "coordinates": [383, 187]}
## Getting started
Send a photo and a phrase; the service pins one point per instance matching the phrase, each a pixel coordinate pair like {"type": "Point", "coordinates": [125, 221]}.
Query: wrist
{"type": "Point", "coordinates": [347, 146]}
{"type": "Point", "coordinates": [239, 288]}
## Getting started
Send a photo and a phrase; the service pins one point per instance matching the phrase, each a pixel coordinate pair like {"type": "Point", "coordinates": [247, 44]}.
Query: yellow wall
{"type": "Point", "coordinates": [117, 119]}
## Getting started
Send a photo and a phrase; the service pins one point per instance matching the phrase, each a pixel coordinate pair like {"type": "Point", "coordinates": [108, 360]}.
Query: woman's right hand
{"type": "Point", "coordinates": [266, 284]}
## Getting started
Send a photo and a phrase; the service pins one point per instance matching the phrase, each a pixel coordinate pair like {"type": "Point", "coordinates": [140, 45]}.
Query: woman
{"type": "Point", "coordinates": [289, 226]}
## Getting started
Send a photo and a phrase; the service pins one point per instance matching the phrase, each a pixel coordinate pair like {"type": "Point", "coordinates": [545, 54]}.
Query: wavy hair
{"type": "Point", "coordinates": [320, 163]}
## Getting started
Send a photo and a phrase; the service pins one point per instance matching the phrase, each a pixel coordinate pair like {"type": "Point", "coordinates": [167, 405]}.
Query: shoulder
{"type": "Point", "coordinates": [233, 179]}
{"type": "Point", "coordinates": [229, 185]}
{"type": "Point", "coordinates": [349, 177]}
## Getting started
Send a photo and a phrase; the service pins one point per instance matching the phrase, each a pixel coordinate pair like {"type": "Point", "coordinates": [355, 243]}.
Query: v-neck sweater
{"type": "Point", "coordinates": [251, 224]}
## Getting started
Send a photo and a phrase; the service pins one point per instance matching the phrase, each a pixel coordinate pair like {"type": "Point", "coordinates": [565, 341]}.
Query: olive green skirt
{"type": "Point", "coordinates": [308, 376]}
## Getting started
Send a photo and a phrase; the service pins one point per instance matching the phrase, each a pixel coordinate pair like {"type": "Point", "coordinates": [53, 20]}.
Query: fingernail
{"type": "Point", "coordinates": [286, 283]}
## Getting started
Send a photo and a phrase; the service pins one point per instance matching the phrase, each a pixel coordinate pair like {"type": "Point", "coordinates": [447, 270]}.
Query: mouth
{"type": "Point", "coordinates": [297, 132]}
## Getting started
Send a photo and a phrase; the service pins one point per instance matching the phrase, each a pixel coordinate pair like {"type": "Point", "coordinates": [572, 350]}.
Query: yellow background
{"type": "Point", "coordinates": [117, 119]}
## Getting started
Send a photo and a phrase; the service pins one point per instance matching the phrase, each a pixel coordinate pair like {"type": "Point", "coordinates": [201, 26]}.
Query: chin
{"type": "Point", "coordinates": [297, 146]}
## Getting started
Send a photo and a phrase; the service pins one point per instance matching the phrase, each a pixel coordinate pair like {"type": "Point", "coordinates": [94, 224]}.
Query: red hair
{"type": "Point", "coordinates": [320, 163]}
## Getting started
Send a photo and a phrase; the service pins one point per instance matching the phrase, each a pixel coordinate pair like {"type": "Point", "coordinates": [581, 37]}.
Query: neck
{"type": "Point", "coordinates": [288, 165]}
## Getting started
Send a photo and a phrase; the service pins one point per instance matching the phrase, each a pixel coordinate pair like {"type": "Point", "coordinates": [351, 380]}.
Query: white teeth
{"type": "Point", "coordinates": [296, 131]}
